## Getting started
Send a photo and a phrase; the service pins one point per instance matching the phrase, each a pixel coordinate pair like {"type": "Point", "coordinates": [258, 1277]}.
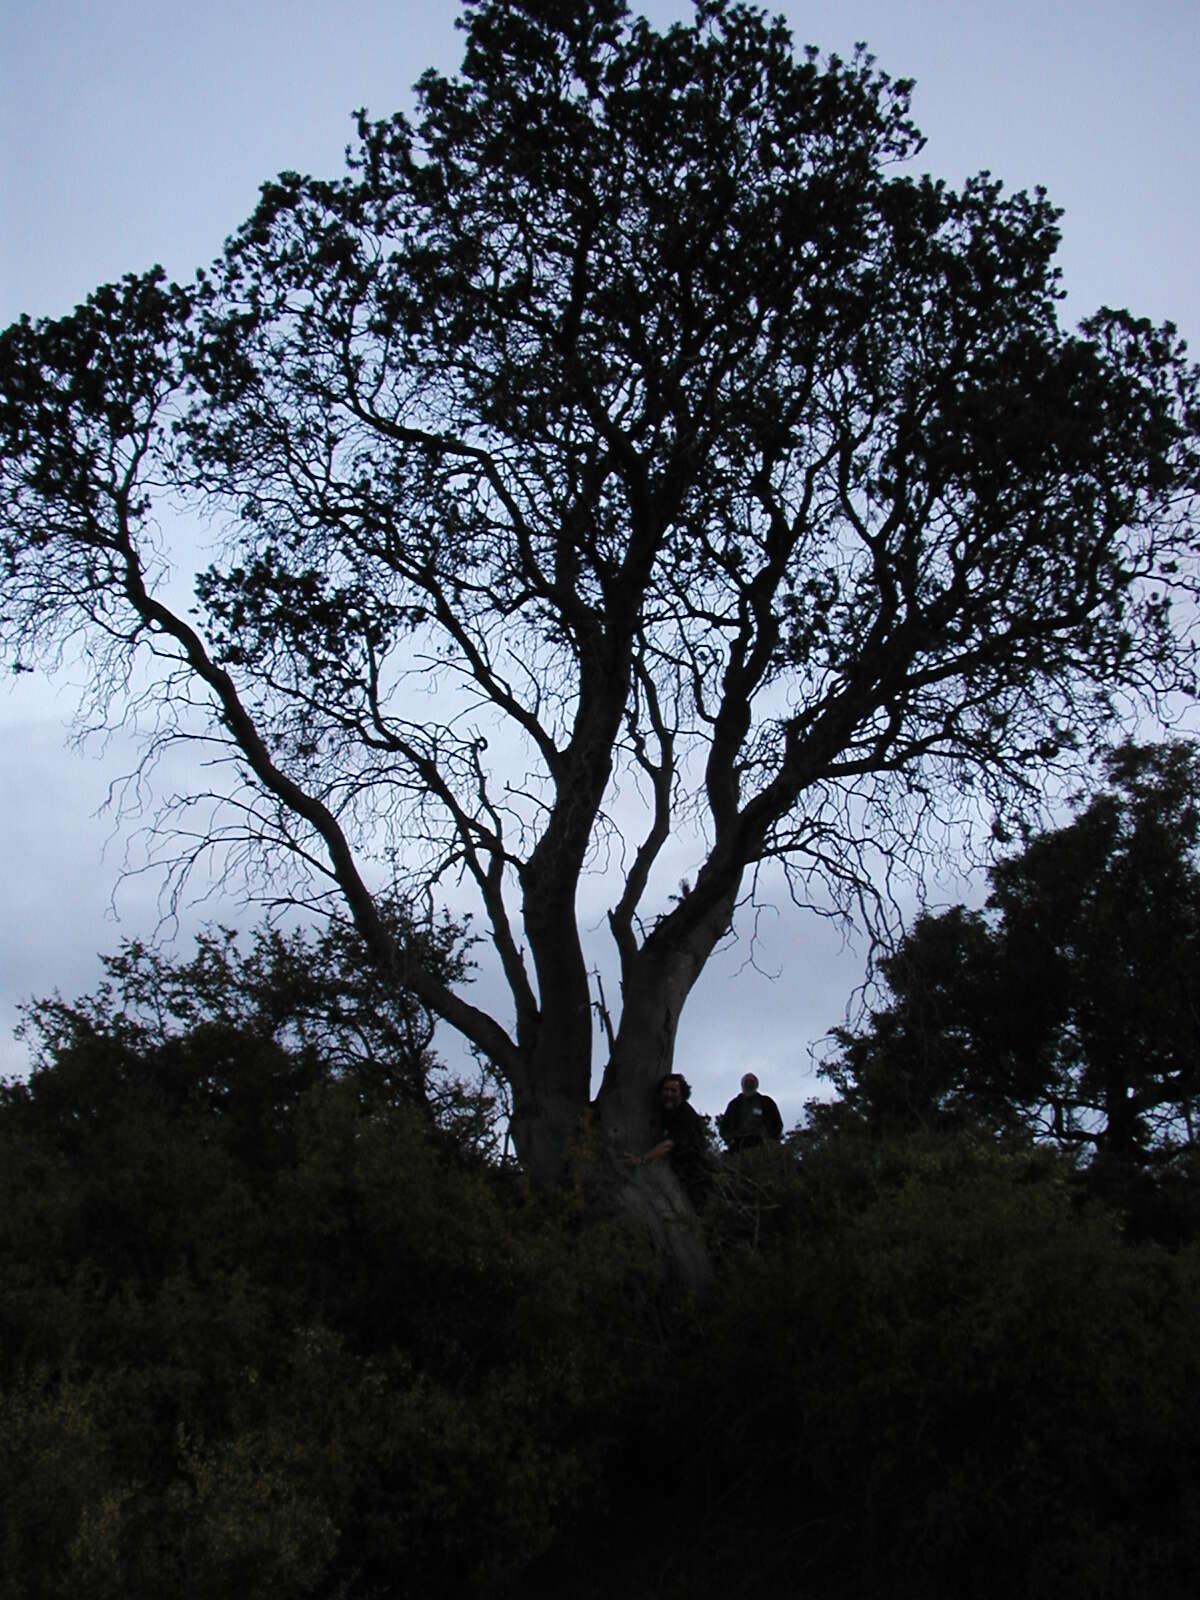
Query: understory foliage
{"type": "Point", "coordinates": [301, 1001]}
{"type": "Point", "coordinates": [267, 1329]}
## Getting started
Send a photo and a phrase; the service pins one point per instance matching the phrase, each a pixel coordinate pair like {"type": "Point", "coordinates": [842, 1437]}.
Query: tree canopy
{"type": "Point", "coordinates": [1069, 1008]}
{"type": "Point", "coordinates": [628, 451]}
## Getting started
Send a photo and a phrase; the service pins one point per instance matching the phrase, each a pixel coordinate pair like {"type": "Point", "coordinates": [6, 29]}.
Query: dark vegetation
{"type": "Point", "coordinates": [1068, 1010]}
{"type": "Point", "coordinates": [278, 1320]}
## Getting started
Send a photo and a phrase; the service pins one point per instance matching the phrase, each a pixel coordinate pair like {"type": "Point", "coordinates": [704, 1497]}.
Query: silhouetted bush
{"type": "Point", "coordinates": [269, 1331]}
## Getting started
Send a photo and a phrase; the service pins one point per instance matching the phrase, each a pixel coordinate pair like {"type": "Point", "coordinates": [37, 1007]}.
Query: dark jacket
{"type": "Point", "coordinates": [688, 1134]}
{"type": "Point", "coordinates": [748, 1119]}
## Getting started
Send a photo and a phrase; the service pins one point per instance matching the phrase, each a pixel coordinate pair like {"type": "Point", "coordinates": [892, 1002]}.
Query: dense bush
{"type": "Point", "coordinates": [280, 1339]}
{"type": "Point", "coordinates": [267, 1331]}
{"type": "Point", "coordinates": [943, 1376]}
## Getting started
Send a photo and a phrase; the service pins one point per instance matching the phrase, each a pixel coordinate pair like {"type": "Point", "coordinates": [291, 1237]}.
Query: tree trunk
{"type": "Point", "coordinates": [651, 1198]}
{"type": "Point", "coordinates": [652, 1201]}
{"type": "Point", "coordinates": [649, 1201]}
{"type": "Point", "coordinates": [557, 1140]}
{"type": "Point", "coordinates": [544, 1127]}
{"type": "Point", "coordinates": [556, 1134]}
{"type": "Point", "coordinates": [654, 988]}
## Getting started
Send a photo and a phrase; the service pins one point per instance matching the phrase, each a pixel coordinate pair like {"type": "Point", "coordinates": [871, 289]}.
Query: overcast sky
{"type": "Point", "coordinates": [135, 133]}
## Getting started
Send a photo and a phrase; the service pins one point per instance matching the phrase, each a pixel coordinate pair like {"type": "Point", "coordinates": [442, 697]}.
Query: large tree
{"type": "Point", "coordinates": [633, 427]}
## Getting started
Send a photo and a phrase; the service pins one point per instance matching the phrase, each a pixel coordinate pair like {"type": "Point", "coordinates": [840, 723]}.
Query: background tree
{"type": "Point", "coordinates": [1070, 1007]}
{"type": "Point", "coordinates": [308, 1002]}
{"type": "Point", "coordinates": [633, 405]}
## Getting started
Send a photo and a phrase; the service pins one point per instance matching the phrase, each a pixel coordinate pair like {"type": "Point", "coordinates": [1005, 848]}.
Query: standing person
{"type": "Point", "coordinates": [681, 1137]}
{"type": "Point", "coordinates": [750, 1118]}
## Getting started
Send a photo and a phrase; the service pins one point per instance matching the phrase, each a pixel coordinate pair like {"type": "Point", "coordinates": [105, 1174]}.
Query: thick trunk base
{"type": "Point", "coordinates": [557, 1145]}
{"type": "Point", "coordinates": [649, 1201]}
{"type": "Point", "coordinates": [652, 1201]}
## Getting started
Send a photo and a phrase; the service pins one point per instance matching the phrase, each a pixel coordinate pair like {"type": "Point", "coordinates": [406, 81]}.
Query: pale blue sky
{"type": "Point", "coordinates": [133, 133]}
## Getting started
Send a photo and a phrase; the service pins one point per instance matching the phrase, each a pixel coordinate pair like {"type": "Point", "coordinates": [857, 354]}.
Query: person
{"type": "Point", "coordinates": [682, 1137]}
{"type": "Point", "coordinates": [750, 1118]}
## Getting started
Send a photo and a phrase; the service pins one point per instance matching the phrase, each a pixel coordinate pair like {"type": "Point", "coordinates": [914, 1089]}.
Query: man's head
{"type": "Point", "coordinates": [749, 1084]}
{"type": "Point", "coordinates": [673, 1090]}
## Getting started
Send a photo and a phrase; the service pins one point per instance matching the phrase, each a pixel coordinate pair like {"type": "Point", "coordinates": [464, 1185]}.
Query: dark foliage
{"type": "Point", "coordinates": [267, 1327]}
{"type": "Point", "coordinates": [267, 1330]}
{"type": "Point", "coordinates": [938, 1376]}
{"type": "Point", "coordinates": [1069, 1009]}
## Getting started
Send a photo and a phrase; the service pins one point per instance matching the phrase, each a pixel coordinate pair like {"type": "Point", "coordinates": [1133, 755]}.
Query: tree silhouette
{"type": "Point", "coordinates": [301, 997]}
{"type": "Point", "coordinates": [1070, 1007]}
{"type": "Point", "coordinates": [627, 430]}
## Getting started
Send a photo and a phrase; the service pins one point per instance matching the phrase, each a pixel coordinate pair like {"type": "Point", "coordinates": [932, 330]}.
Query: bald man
{"type": "Point", "coordinates": [750, 1118]}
